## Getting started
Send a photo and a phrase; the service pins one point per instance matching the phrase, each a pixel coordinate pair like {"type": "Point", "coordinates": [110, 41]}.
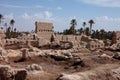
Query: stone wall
{"type": "Point", "coordinates": [68, 37]}
{"type": "Point", "coordinates": [95, 44]}
{"type": "Point", "coordinates": [22, 41]}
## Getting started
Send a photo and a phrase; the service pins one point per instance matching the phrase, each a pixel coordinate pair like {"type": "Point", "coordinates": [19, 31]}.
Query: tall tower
{"type": "Point", "coordinates": [44, 29]}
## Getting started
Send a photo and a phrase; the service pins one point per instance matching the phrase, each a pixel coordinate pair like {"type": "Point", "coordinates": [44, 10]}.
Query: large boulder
{"type": "Point", "coordinates": [105, 56]}
{"type": "Point", "coordinates": [24, 55]}
{"type": "Point", "coordinates": [66, 53]}
{"type": "Point", "coordinates": [83, 44]}
{"type": "Point", "coordinates": [115, 47]}
{"type": "Point", "coordinates": [55, 44]}
{"type": "Point", "coordinates": [68, 77]}
{"type": "Point", "coordinates": [116, 55]}
{"type": "Point", "coordinates": [34, 67]}
{"type": "Point", "coordinates": [6, 72]}
{"type": "Point", "coordinates": [13, 55]}
{"type": "Point", "coordinates": [59, 57]}
{"type": "Point", "coordinates": [118, 46]}
{"type": "Point", "coordinates": [116, 73]}
{"type": "Point", "coordinates": [21, 74]}
{"type": "Point", "coordinates": [66, 44]}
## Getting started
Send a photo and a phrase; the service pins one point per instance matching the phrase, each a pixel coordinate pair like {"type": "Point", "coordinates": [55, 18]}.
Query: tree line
{"type": "Point", "coordinates": [8, 28]}
{"type": "Point", "coordinates": [96, 34]}
{"type": "Point", "coordinates": [11, 32]}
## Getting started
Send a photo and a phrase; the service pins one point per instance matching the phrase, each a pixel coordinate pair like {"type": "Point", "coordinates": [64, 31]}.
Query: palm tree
{"type": "Point", "coordinates": [73, 24]}
{"type": "Point", "coordinates": [93, 34]}
{"type": "Point", "coordinates": [102, 34]}
{"type": "Point", "coordinates": [81, 31]}
{"type": "Point", "coordinates": [84, 24]}
{"type": "Point", "coordinates": [12, 22]}
{"type": "Point", "coordinates": [1, 17]}
{"type": "Point", "coordinates": [66, 31]}
{"type": "Point", "coordinates": [97, 34]}
{"type": "Point", "coordinates": [91, 22]}
{"type": "Point", "coordinates": [87, 31]}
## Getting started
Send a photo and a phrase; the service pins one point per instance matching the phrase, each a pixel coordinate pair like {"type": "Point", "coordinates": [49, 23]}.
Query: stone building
{"type": "Point", "coordinates": [44, 29]}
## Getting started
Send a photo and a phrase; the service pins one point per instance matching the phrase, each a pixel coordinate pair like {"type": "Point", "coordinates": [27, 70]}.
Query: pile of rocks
{"type": "Point", "coordinates": [34, 67]}
{"type": "Point", "coordinates": [9, 73]}
{"type": "Point", "coordinates": [115, 47]}
{"type": "Point", "coordinates": [116, 55]}
{"type": "Point", "coordinates": [6, 72]}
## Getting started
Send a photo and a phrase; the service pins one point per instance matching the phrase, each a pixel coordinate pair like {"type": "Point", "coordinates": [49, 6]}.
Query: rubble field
{"type": "Point", "coordinates": [51, 64]}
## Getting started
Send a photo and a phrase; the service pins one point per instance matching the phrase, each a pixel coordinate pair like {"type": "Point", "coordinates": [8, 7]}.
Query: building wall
{"type": "Point", "coordinates": [95, 44]}
{"type": "Point", "coordinates": [68, 38]}
{"type": "Point", "coordinates": [73, 39]}
{"type": "Point", "coordinates": [44, 29]}
{"type": "Point", "coordinates": [31, 36]}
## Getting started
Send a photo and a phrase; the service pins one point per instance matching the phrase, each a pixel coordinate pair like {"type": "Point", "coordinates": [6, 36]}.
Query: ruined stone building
{"type": "Point", "coordinates": [31, 39]}
{"type": "Point", "coordinates": [41, 37]}
{"type": "Point", "coordinates": [95, 44]}
{"type": "Point", "coordinates": [45, 32]}
{"type": "Point", "coordinates": [22, 41]}
{"type": "Point", "coordinates": [11, 41]}
{"type": "Point", "coordinates": [44, 29]}
{"type": "Point", "coordinates": [68, 37]}
{"type": "Point", "coordinates": [72, 39]}
{"type": "Point", "coordinates": [44, 36]}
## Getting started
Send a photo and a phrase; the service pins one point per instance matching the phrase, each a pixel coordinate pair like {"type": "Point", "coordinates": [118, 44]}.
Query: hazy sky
{"type": "Point", "coordinates": [105, 13]}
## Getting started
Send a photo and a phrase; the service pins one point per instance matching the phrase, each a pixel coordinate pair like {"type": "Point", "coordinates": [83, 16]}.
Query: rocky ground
{"type": "Point", "coordinates": [71, 64]}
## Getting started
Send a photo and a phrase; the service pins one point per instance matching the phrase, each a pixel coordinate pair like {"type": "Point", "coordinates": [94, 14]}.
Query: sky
{"type": "Point", "coordinates": [105, 13]}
